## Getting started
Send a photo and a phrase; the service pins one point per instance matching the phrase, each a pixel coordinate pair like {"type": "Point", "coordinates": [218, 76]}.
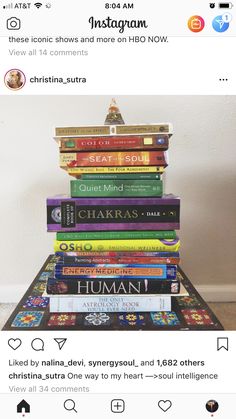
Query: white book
{"type": "Point", "coordinates": [108, 304]}
{"type": "Point", "coordinates": [117, 130]}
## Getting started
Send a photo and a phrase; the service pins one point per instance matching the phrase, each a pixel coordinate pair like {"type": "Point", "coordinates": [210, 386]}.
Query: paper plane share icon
{"type": "Point", "coordinates": [61, 342]}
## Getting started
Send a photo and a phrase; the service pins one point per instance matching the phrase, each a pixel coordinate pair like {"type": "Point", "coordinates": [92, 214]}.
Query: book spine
{"type": "Point", "coordinates": [121, 176]}
{"type": "Point", "coordinates": [99, 214]}
{"type": "Point", "coordinates": [116, 235]}
{"type": "Point", "coordinates": [166, 200]}
{"type": "Point", "coordinates": [73, 260]}
{"type": "Point", "coordinates": [78, 171]}
{"type": "Point", "coordinates": [154, 142]}
{"type": "Point", "coordinates": [144, 245]}
{"type": "Point", "coordinates": [115, 271]}
{"type": "Point", "coordinates": [92, 226]}
{"type": "Point", "coordinates": [109, 286]}
{"type": "Point", "coordinates": [129, 158]}
{"type": "Point", "coordinates": [105, 188]}
{"type": "Point", "coordinates": [114, 130]}
{"type": "Point", "coordinates": [109, 304]}
{"type": "Point", "coordinates": [118, 254]}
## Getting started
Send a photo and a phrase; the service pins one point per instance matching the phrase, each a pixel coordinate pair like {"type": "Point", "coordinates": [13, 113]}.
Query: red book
{"type": "Point", "coordinates": [117, 158]}
{"type": "Point", "coordinates": [130, 142]}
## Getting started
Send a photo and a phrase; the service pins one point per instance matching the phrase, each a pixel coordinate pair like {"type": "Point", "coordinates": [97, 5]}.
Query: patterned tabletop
{"type": "Point", "coordinates": [32, 313]}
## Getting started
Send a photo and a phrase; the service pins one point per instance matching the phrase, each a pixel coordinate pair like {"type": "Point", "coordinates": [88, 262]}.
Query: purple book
{"type": "Point", "coordinates": [99, 214]}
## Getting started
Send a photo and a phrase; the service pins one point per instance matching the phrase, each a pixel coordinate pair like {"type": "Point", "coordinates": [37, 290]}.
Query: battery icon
{"type": "Point", "coordinates": [225, 5]}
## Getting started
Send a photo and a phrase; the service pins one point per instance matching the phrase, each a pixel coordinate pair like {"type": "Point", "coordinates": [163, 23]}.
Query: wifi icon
{"type": "Point", "coordinates": [38, 5]}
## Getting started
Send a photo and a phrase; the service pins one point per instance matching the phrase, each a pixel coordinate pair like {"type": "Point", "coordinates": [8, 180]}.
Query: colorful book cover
{"type": "Point", "coordinates": [142, 245]}
{"type": "Point", "coordinates": [99, 214]}
{"type": "Point", "coordinates": [189, 312]}
{"type": "Point", "coordinates": [116, 235]}
{"type": "Point", "coordinates": [116, 158]}
{"type": "Point", "coordinates": [108, 304]}
{"type": "Point", "coordinates": [115, 271]}
{"type": "Point", "coordinates": [62, 255]}
{"type": "Point", "coordinates": [119, 188]}
{"type": "Point", "coordinates": [108, 286]}
{"type": "Point", "coordinates": [65, 259]}
{"type": "Point", "coordinates": [78, 171]}
{"type": "Point", "coordinates": [104, 130]}
{"type": "Point", "coordinates": [128, 142]}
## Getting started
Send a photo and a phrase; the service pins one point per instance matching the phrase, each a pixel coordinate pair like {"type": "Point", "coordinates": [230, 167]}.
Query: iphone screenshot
{"type": "Point", "coordinates": [118, 203]}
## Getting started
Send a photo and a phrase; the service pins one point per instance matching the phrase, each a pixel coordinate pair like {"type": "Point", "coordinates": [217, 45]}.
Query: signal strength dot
{"type": "Point", "coordinates": [8, 6]}
{"type": "Point", "coordinates": [38, 5]}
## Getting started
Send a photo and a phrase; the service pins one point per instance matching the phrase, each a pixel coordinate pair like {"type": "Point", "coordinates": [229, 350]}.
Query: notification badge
{"type": "Point", "coordinates": [196, 23]}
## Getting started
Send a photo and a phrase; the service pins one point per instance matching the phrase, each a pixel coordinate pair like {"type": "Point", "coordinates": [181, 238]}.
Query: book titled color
{"type": "Point", "coordinates": [108, 304]}
{"type": "Point", "coordinates": [126, 142]}
{"type": "Point", "coordinates": [142, 245]}
{"type": "Point", "coordinates": [105, 188]}
{"type": "Point", "coordinates": [121, 158]}
{"type": "Point", "coordinates": [116, 235]}
{"type": "Point", "coordinates": [115, 271]}
{"type": "Point", "coordinates": [108, 286]}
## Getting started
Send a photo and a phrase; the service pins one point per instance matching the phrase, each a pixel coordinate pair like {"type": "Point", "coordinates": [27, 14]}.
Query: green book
{"type": "Point", "coordinates": [121, 176]}
{"type": "Point", "coordinates": [115, 188]}
{"type": "Point", "coordinates": [113, 235]}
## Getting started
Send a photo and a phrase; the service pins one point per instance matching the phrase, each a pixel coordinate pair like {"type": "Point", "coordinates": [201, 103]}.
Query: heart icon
{"type": "Point", "coordinates": [164, 405]}
{"type": "Point", "coordinates": [14, 343]}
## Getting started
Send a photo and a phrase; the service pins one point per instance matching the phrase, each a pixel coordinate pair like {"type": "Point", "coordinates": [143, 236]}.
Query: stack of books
{"type": "Point", "coordinates": [116, 246]}
{"type": "Point", "coordinates": [116, 260]}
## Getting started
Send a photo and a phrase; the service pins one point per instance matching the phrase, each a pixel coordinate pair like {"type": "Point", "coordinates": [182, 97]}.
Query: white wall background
{"type": "Point", "coordinates": [202, 172]}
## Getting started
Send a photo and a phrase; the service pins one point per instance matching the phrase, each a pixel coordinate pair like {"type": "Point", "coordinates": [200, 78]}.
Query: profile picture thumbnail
{"type": "Point", "coordinates": [14, 79]}
{"type": "Point", "coordinates": [212, 406]}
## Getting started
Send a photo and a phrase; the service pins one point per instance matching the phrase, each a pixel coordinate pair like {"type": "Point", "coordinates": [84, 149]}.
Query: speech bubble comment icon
{"type": "Point", "coordinates": [37, 344]}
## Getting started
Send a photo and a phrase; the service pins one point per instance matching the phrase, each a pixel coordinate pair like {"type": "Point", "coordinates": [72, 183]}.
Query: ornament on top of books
{"type": "Point", "coordinates": [114, 116]}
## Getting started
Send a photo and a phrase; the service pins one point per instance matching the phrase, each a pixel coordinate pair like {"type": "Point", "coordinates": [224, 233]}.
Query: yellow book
{"type": "Point", "coordinates": [137, 245]}
{"type": "Point", "coordinates": [77, 171]}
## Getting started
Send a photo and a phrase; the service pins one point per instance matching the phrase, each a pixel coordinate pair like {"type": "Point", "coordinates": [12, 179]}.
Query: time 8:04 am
{"type": "Point", "coordinates": [119, 5]}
